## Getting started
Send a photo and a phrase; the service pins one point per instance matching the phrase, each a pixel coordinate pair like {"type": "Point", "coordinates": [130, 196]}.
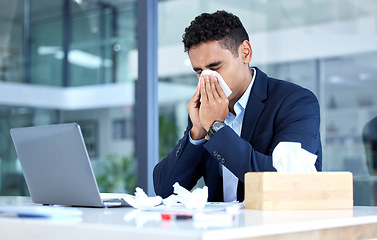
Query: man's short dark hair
{"type": "Point", "coordinates": [219, 26]}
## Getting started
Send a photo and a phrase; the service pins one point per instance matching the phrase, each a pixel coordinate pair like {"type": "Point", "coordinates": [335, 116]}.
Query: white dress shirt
{"type": "Point", "coordinates": [230, 181]}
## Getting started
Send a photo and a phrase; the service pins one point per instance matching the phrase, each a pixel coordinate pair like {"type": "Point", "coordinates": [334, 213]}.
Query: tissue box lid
{"type": "Point", "coordinates": [298, 191]}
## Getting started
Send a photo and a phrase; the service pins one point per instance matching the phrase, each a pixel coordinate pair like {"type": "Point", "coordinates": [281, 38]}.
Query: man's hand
{"type": "Point", "coordinates": [197, 130]}
{"type": "Point", "coordinates": [214, 103]}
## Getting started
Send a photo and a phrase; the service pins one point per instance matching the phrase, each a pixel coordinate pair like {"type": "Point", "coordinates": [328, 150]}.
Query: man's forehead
{"type": "Point", "coordinates": [213, 44]}
{"type": "Point", "coordinates": [205, 56]}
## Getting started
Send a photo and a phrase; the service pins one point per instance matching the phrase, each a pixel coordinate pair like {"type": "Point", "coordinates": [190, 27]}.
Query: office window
{"type": "Point", "coordinates": [99, 37]}
{"type": "Point", "coordinates": [46, 42]}
{"type": "Point", "coordinates": [123, 129]}
{"type": "Point", "coordinates": [94, 86]}
{"type": "Point", "coordinates": [11, 51]}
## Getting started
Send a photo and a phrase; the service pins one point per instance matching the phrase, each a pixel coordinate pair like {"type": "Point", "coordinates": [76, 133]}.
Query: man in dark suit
{"type": "Point", "coordinates": [229, 136]}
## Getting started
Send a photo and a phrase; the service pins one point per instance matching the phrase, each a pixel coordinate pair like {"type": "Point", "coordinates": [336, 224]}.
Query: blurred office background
{"type": "Point", "coordinates": [77, 61]}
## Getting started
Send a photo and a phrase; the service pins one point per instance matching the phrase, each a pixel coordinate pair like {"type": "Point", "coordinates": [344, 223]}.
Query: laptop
{"type": "Point", "coordinates": [57, 168]}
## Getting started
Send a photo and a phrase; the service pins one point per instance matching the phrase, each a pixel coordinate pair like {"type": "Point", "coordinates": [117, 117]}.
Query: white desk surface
{"type": "Point", "coordinates": [128, 223]}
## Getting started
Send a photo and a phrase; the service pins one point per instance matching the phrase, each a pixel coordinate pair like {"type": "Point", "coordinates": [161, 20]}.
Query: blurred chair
{"type": "Point", "coordinates": [370, 144]}
{"type": "Point", "coordinates": [369, 135]}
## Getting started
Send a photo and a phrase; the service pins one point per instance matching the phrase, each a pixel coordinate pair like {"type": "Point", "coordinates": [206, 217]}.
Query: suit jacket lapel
{"type": "Point", "coordinates": [254, 105]}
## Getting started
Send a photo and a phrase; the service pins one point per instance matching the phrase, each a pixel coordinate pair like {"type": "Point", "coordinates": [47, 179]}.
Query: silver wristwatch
{"type": "Point", "coordinates": [216, 126]}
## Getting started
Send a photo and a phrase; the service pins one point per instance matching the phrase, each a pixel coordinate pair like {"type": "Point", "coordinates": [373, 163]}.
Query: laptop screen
{"type": "Point", "coordinates": [56, 165]}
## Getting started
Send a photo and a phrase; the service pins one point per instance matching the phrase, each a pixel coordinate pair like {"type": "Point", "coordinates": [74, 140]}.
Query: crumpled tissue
{"type": "Point", "coordinates": [289, 157]}
{"type": "Point", "coordinates": [141, 199]}
{"type": "Point", "coordinates": [222, 83]}
{"type": "Point", "coordinates": [196, 199]}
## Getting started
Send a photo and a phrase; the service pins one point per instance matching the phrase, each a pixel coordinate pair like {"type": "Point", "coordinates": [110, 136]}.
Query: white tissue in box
{"type": "Point", "coordinates": [222, 83]}
{"type": "Point", "coordinates": [289, 157]}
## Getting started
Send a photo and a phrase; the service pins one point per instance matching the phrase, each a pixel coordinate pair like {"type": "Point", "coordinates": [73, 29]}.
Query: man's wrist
{"type": "Point", "coordinates": [196, 142]}
{"type": "Point", "coordinates": [197, 134]}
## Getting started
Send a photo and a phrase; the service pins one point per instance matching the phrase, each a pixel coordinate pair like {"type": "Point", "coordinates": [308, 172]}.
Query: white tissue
{"type": "Point", "coordinates": [196, 199]}
{"type": "Point", "coordinates": [289, 157]}
{"type": "Point", "coordinates": [222, 83]}
{"type": "Point", "coordinates": [171, 201]}
{"type": "Point", "coordinates": [141, 199]}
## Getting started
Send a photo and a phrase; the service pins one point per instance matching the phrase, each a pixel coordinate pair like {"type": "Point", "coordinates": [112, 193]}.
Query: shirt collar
{"type": "Point", "coordinates": [245, 96]}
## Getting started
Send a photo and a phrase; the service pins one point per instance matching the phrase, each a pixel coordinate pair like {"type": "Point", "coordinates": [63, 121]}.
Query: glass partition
{"type": "Point", "coordinates": [11, 50]}
{"type": "Point", "coordinates": [46, 44]}
{"type": "Point", "coordinates": [350, 107]}
{"type": "Point", "coordinates": [95, 87]}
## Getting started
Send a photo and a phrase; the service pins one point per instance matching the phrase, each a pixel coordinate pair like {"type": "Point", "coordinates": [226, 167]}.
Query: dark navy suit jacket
{"type": "Point", "coordinates": [276, 111]}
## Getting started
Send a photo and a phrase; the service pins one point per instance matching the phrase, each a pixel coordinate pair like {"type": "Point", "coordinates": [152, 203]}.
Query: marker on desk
{"type": "Point", "coordinates": [183, 217]}
{"type": "Point", "coordinates": [177, 216]}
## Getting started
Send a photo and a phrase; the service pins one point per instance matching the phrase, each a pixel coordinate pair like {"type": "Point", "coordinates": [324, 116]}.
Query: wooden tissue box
{"type": "Point", "coordinates": [298, 191]}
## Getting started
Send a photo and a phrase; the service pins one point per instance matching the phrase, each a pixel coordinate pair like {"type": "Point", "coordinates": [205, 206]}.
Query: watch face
{"type": "Point", "coordinates": [217, 125]}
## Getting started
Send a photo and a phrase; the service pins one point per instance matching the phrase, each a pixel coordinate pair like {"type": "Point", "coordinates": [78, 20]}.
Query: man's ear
{"type": "Point", "coordinates": [245, 51]}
